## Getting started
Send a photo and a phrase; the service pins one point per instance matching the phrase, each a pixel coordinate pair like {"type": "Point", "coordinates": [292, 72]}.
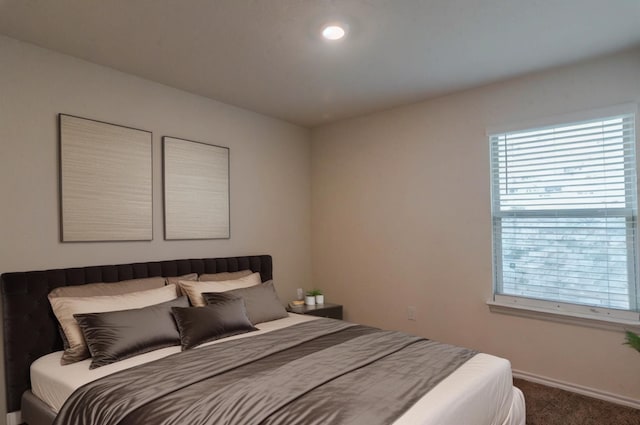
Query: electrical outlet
{"type": "Point", "coordinates": [411, 313]}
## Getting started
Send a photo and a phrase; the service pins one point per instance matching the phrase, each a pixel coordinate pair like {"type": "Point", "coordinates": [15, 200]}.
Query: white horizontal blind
{"type": "Point", "coordinates": [564, 213]}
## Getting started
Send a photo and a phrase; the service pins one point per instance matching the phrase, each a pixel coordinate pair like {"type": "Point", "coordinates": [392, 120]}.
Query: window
{"type": "Point", "coordinates": [564, 205]}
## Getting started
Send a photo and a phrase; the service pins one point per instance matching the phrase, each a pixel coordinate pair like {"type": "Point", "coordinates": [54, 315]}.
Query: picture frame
{"type": "Point", "coordinates": [106, 188]}
{"type": "Point", "coordinates": [196, 190]}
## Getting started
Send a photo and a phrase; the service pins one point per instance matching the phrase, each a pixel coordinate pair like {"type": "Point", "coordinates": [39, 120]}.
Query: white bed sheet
{"type": "Point", "coordinates": [479, 392]}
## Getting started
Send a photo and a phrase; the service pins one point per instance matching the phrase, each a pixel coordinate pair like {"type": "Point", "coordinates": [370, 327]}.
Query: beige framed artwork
{"type": "Point", "coordinates": [105, 181]}
{"type": "Point", "coordinates": [196, 190]}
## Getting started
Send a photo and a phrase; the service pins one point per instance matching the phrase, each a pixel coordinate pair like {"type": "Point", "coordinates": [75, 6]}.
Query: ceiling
{"type": "Point", "coordinates": [267, 55]}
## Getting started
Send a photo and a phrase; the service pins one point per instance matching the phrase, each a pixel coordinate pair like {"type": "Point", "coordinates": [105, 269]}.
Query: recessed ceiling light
{"type": "Point", "coordinates": [333, 32]}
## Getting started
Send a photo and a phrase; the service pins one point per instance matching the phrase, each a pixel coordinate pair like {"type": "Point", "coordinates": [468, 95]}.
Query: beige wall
{"type": "Point", "coordinates": [401, 217]}
{"type": "Point", "coordinates": [270, 162]}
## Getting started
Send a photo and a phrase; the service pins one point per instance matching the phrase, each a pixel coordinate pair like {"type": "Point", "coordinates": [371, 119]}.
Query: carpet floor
{"type": "Point", "coordinates": [552, 406]}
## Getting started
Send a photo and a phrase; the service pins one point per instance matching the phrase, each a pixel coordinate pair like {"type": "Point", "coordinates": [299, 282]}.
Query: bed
{"type": "Point", "coordinates": [478, 390]}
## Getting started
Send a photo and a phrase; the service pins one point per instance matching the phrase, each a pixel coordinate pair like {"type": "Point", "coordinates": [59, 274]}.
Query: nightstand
{"type": "Point", "coordinates": [332, 311]}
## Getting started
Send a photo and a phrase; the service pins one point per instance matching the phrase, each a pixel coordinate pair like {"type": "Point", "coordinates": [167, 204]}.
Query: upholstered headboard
{"type": "Point", "coordinates": [31, 329]}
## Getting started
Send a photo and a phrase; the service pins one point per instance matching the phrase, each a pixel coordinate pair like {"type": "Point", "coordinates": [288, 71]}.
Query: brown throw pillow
{"type": "Point", "coordinates": [261, 301]}
{"type": "Point", "coordinates": [198, 325]}
{"type": "Point", "coordinates": [118, 335]}
{"type": "Point", "coordinates": [65, 307]}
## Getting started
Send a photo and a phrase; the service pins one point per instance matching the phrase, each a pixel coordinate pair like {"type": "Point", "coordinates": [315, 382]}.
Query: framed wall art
{"type": "Point", "coordinates": [196, 190]}
{"type": "Point", "coordinates": [105, 181]}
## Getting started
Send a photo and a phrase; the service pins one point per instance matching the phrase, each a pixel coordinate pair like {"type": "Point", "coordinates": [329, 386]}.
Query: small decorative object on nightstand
{"type": "Point", "coordinates": [332, 311]}
{"type": "Point", "coordinates": [310, 299]}
{"type": "Point", "coordinates": [314, 297]}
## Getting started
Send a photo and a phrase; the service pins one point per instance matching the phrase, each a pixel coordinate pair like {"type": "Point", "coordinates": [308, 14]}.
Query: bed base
{"type": "Point", "coordinates": [35, 411]}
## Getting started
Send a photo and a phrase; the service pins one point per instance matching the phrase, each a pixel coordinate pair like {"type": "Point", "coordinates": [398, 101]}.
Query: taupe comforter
{"type": "Point", "coordinates": [318, 372]}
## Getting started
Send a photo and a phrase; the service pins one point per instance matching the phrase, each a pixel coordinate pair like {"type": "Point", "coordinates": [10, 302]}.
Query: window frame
{"type": "Point", "coordinates": [600, 317]}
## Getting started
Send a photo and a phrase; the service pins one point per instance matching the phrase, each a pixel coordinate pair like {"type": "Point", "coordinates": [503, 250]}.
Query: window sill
{"type": "Point", "coordinates": [578, 319]}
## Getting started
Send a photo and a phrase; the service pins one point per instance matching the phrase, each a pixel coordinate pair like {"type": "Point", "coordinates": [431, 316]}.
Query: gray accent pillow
{"type": "Point", "coordinates": [261, 301]}
{"type": "Point", "coordinates": [198, 325]}
{"type": "Point", "coordinates": [117, 335]}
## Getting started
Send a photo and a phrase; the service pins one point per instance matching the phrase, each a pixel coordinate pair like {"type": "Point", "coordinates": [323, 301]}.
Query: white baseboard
{"type": "Point", "coordinates": [579, 389]}
{"type": "Point", "coordinates": [14, 418]}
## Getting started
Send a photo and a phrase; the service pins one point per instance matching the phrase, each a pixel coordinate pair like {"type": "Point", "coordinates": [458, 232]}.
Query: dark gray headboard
{"type": "Point", "coordinates": [31, 329]}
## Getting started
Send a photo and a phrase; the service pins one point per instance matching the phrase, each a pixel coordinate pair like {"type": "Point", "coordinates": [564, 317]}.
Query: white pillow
{"type": "Point", "coordinates": [194, 290]}
{"type": "Point", "coordinates": [65, 307]}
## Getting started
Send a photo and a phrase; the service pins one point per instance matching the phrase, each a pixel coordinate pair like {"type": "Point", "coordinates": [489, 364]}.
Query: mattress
{"type": "Point", "coordinates": [479, 392]}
